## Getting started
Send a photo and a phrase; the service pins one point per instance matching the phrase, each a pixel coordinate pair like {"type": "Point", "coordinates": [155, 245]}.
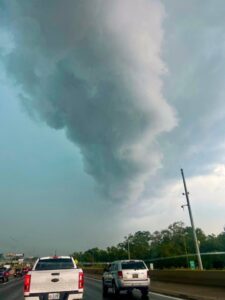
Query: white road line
{"type": "Point", "coordinates": [94, 279]}
{"type": "Point", "coordinates": [150, 293]}
{"type": "Point", "coordinates": [165, 296]}
{"type": "Point", "coordinates": [7, 282]}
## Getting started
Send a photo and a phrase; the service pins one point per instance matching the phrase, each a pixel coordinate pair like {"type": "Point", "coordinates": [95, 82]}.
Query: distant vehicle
{"type": "Point", "coordinates": [18, 273]}
{"type": "Point", "coordinates": [25, 270]}
{"type": "Point", "coordinates": [4, 274]}
{"type": "Point", "coordinates": [126, 275]}
{"type": "Point", "coordinates": [8, 267]}
{"type": "Point", "coordinates": [54, 278]}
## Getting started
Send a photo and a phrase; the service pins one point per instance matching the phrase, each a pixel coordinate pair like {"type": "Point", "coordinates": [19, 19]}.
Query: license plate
{"type": "Point", "coordinates": [53, 296]}
{"type": "Point", "coordinates": [135, 275]}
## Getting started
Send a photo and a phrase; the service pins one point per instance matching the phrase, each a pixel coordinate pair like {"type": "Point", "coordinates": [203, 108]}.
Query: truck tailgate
{"type": "Point", "coordinates": [54, 281]}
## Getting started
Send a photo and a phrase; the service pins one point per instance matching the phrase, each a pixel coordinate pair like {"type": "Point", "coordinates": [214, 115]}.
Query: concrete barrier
{"type": "Point", "coordinates": [202, 278]}
{"type": "Point", "coordinates": [94, 271]}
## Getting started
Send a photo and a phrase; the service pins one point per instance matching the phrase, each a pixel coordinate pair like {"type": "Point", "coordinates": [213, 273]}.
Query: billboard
{"type": "Point", "coordinates": [14, 255]}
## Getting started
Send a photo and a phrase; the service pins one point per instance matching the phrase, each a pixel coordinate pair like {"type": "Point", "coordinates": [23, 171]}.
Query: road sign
{"type": "Point", "coordinates": [192, 264]}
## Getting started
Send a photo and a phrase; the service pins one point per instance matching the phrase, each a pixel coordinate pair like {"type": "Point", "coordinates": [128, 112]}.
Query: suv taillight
{"type": "Point", "coordinates": [120, 274]}
{"type": "Point", "coordinates": [26, 286]}
{"type": "Point", "coordinates": [81, 280]}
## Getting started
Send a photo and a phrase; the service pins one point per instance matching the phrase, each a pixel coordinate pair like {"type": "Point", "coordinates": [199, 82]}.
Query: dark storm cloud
{"type": "Point", "coordinates": [195, 54]}
{"type": "Point", "coordinates": [94, 68]}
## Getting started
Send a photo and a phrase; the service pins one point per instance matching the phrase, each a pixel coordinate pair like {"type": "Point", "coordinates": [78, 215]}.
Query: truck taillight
{"type": "Point", "coordinates": [120, 274]}
{"type": "Point", "coordinates": [26, 286]}
{"type": "Point", "coordinates": [81, 280]}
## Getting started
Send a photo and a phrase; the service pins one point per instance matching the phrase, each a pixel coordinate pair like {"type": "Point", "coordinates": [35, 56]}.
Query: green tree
{"type": "Point", "coordinates": [139, 244]}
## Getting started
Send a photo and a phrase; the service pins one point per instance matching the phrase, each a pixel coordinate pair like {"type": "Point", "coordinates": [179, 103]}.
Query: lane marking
{"type": "Point", "coordinates": [5, 282]}
{"type": "Point", "coordinates": [150, 293]}
{"type": "Point", "coordinates": [8, 282]}
{"type": "Point", "coordinates": [165, 296]}
{"type": "Point", "coordinates": [94, 279]}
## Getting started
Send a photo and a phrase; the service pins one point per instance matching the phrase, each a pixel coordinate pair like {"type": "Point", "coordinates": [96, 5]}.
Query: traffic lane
{"type": "Point", "coordinates": [93, 291]}
{"type": "Point", "coordinates": [12, 290]}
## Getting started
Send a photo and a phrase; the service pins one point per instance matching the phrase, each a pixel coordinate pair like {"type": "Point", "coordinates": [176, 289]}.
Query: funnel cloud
{"type": "Point", "coordinates": [95, 69]}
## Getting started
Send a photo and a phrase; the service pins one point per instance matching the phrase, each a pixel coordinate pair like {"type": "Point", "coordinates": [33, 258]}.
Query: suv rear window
{"type": "Point", "coordinates": [54, 264]}
{"type": "Point", "coordinates": [133, 265]}
{"type": "Point", "coordinates": [2, 269]}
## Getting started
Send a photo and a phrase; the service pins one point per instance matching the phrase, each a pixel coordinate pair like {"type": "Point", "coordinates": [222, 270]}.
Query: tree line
{"type": "Point", "coordinates": [171, 247]}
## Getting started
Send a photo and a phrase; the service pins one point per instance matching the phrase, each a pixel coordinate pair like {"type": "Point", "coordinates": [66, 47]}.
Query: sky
{"type": "Point", "coordinates": [101, 104]}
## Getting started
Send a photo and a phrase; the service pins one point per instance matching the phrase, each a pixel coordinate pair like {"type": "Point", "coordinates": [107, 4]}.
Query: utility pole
{"type": "Point", "coordinates": [128, 248]}
{"type": "Point", "coordinates": [192, 222]}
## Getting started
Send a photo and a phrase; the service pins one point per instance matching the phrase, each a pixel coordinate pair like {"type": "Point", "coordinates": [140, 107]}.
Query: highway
{"type": "Point", "coordinates": [13, 290]}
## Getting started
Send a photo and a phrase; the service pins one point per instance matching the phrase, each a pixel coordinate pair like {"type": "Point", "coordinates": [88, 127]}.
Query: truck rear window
{"type": "Point", "coordinates": [133, 265]}
{"type": "Point", "coordinates": [54, 264]}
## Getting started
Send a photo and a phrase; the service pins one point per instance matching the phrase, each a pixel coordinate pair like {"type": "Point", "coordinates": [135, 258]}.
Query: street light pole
{"type": "Point", "coordinates": [185, 248]}
{"type": "Point", "coordinates": [128, 248]}
{"type": "Point", "coordinates": [192, 222]}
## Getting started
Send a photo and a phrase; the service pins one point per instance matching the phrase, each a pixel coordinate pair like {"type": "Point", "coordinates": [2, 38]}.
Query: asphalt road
{"type": "Point", "coordinates": [13, 290]}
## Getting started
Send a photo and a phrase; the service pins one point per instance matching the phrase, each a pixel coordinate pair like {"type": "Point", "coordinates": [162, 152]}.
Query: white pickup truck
{"type": "Point", "coordinates": [54, 278]}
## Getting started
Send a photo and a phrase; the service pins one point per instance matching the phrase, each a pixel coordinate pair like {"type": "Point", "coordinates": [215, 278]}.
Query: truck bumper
{"type": "Point", "coordinates": [128, 285]}
{"type": "Point", "coordinates": [44, 296]}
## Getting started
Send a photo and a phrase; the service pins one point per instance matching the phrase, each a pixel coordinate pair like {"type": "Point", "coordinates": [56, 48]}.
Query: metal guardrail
{"type": "Point", "coordinates": [185, 255]}
{"type": "Point", "coordinates": [162, 258]}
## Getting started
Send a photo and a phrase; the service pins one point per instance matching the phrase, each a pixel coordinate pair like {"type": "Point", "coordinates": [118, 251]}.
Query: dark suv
{"type": "Point", "coordinates": [18, 273]}
{"type": "Point", "coordinates": [4, 274]}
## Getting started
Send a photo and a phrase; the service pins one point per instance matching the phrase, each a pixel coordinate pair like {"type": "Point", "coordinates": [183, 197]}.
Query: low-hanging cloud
{"type": "Point", "coordinates": [94, 68]}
